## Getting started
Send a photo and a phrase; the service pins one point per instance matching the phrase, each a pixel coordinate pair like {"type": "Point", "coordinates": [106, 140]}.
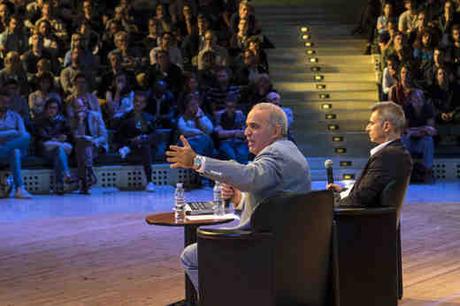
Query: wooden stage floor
{"type": "Point", "coordinates": [97, 250]}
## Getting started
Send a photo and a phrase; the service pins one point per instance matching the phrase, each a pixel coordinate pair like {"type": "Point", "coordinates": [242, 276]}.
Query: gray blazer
{"type": "Point", "coordinates": [278, 168]}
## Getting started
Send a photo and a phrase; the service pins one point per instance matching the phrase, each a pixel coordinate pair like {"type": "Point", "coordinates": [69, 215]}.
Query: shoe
{"type": "Point", "coordinates": [22, 193]}
{"type": "Point", "coordinates": [70, 179]}
{"type": "Point", "coordinates": [59, 189]}
{"type": "Point", "coordinates": [150, 187]}
{"type": "Point", "coordinates": [124, 151]}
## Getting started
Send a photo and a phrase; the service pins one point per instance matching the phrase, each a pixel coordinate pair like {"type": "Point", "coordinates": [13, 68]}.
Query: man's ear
{"type": "Point", "coordinates": [387, 126]}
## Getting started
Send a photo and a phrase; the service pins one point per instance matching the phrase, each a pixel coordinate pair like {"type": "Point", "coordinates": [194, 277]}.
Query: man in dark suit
{"type": "Point", "coordinates": [388, 161]}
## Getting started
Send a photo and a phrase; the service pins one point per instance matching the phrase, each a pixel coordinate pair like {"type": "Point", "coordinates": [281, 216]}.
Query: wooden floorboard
{"type": "Point", "coordinates": [117, 259]}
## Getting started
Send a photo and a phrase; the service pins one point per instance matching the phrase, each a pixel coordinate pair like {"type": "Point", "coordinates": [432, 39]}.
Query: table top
{"type": "Point", "coordinates": [168, 219]}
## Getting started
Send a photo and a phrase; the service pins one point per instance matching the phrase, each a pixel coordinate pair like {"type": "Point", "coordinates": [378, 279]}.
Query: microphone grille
{"type": "Point", "coordinates": [328, 164]}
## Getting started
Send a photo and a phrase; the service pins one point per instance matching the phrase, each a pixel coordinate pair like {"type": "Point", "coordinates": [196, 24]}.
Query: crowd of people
{"type": "Point", "coordinates": [80, 80]}
{"type": "Point", "coordinates": [419, 45]}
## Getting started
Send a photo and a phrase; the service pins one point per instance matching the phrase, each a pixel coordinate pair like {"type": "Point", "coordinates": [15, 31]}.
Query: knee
{"type": "Point", "coordinates": [189, 258]}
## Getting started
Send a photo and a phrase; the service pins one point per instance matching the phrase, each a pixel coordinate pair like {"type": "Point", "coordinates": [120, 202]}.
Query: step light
{"type": "Point", "coordinates": [331, 116]}
{"type": "Point", "coordinates": [332, 127]}
{"type": "Point", "coordinates": [318, 77]}
{"type": "Point", "coordinates": [324, 96]}
{"type": "Point", "coordinates": [326, 106]}
{"type": "Point", "coordinates": [304, 29]}
{"type": "Point", "coordinates": [315, 69]}
{"type": "Point", "coordinates": [306, 36]}
{"type": "Point", "coordinates": [308, 44]}
{"type": "Point", "coordinates": [345, 163]}
{"type": "Point", "coordinates": [310, 52]}
{"type": "Point", "coordinates": [313, 59]}
{"type": "Point", "coordinates": [340, 150]}
{"type": "Point", "coordinates": [320, 86]}
{"type": "Point", "coordinates": [348, 176]}
{"type": "Point", "coordinates": [337, 138]}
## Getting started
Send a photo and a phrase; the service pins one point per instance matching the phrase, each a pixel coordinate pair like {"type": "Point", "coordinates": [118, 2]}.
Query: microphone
{"type": "Point", "coordinates": [329, 172]}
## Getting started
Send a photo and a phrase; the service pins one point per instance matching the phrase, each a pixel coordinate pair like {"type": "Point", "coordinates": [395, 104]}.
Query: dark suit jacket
{"type": "Point", "coordinates": [393, 162]}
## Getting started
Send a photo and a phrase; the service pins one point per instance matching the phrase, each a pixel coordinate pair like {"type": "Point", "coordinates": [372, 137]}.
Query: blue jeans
{"type": "Point", "coordinates": [12, 150]}
{"type": "Point", "coordinates": [202, 144]}
{"type": "Point", "coordinates": [58, 153]}
{"type": "Point", "coordinates": [189, 260]}
{"type": "Point", "coordinates": [423, 146]}
{"type": "Point", "coordinates": [234, 149]}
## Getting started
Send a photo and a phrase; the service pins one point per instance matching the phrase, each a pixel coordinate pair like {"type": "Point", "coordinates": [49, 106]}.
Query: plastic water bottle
{"type": "Point", "coordinates": [219, 208]}
{"type": "Point", "coordinates": [179, 202]}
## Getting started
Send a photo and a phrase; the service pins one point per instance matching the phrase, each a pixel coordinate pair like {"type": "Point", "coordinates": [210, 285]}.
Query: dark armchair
{"type": "Point", "coordinates": [284, 260]}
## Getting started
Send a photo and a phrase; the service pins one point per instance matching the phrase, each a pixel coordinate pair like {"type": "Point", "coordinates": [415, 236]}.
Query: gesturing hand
{"type": "Point", "coordinates": [181, 157]}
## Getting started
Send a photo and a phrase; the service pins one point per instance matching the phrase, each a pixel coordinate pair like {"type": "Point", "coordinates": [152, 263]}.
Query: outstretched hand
{"type": "Point", "coordinates": [181, 157]}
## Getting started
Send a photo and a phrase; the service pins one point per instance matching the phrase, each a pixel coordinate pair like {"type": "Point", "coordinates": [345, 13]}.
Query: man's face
{"type": "Point", "coordinates": [456, 35]}
{"type": "Point", "coordinates": [230, 107]}
{"type": "Point", "coordinates": [259, 131]}
{"type": "Point", "coordinates": [375, 128]}
{"type": "Point", "coordinates": [12, 25]}
{"type": "Point", "coordinates": [222, 76]}
{"type": "Point", "coordinates": [139, 103]}
{"type": "Point", "coordinates": [52, 110]}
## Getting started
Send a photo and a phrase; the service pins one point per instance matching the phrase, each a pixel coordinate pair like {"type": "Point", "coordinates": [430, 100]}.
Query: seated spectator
{"type": "Point", "coordinates": [162, 20]}
{"type": "Point", "coordinates": [408, 19]}
{"type": "Point", "coordinates": [230, 125]}
{"type": "Point", "coordinates": [13, 38]}
{"type": "Point", "coordinates": [196, 127]}
{"type": "Point", "coordinates": [122, 17]}
{"type": "Point", "coordinates": [250, 70]}
{"type": "Point", "coordinates": [275, 98]}
{"type": "Point", "coordinates": [207, 75]}
{"type": "Point", "coordinates": [136, 136]}
{"type": "Point", "coordinates": [119, 98]}
{"type": "Point", "coordinates": [255, 45]}
{"type": "Point", "coordinates": [429, 71]}
{"type": "Point", "coordinates": [37, 52]}
{"type": "Point", "coordinates": [56, 26]}
{"type": "Point", "coordinates": [87, 59]}
{"type": "Point", "coordinates": [81, 92]}
{"type": "Point", "coordinates": [53, 139]}
{"type": "Point", "coordinates": [18, 103]}
{"type": "Point", "coordinates": [389, 76]}
{"type": "Point", "coordinates": [166, 70]}
{"type": "Point", "coordinates": [50, 41]}
{"type": "Point", "coordinates": [13, 70]}
{"type": "Point", "coordinates": [420, 130]}
{"type": "Point", "coordinates": [400, 49]}
{"type": "Point", "coordinates": [90, 136]}
{"type": "Point", "coordinates": [129, 59]}
{"type": "Point", "coordinates": [385, 18]}
{"type": "Point", "coordinates": [423, 50]}
{"type": "Point", "coordinates": [257, 91]}
{"type": "Point", "coordinates": [167, 44]}
{"type": "Point", "coordinates": [453, 53]}
{"type": "Point", "coordinates": [68, 74]}
{"type": "Point", "coordinates": [400, 92]}
{"type": "Point", "coordinates": [44, 92]}
{"type": "Point", "coordinates": [210, 43]}
{"type": "Point", "coordinates": [153, 36]}
{"type": "Point", "coordinates": [14, 142]}
{"type": "Point", "coordinates": [216, 96]}
{"type": "Point", "coordinates": [109, 75]}
{"type": "Point", "coordinates": [445, 96]}
{"type": "Point", "coordinates": [447, 19]}
{"type": "Point", "coordinates": [163, 106]}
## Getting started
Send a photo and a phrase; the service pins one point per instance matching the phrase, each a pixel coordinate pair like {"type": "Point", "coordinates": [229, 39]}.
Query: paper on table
{"type": "Point", "coordinates": [211, 217]}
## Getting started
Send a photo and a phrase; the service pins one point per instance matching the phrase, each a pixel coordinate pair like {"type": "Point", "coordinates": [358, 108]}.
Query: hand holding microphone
{"type": "Point", "coordinates": [330, 177]}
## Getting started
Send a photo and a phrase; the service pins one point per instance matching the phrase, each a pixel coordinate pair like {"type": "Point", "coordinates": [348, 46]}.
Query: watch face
{"type": "Point", "coordinates": [197, 162]}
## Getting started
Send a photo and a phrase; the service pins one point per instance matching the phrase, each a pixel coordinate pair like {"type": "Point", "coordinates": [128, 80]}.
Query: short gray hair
{"type": "Point", "coordinates": [277, 115]}
{"type": "Point", "coordinates": [392, 112]}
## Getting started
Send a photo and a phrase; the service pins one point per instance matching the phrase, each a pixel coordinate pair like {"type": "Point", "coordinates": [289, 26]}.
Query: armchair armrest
{"type": "Point", "coordinates": [207, 233]}
{"type": "Point", "coordinates": [362, 211]}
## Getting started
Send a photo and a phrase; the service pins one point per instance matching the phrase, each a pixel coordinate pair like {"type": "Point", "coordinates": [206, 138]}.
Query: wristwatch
{"type": "Point", "coordinates": [197, 162]}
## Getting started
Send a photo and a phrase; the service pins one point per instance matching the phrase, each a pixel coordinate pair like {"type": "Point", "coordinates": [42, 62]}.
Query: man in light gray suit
{"type": "Point", "coordinates": [279, 167]}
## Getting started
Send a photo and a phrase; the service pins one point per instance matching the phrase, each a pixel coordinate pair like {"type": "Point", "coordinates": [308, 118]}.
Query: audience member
{"type": "Point", "coordinates": [230, 125]}
{"type": "Point", "coordinates": [196, 126]}
{"type": "Point", "coordinates": [45, 91]}
{"type": "Point", "coordinates": [136, 136]}
{"type": "Point", "coordinates": [14, 142]}
{"type": "Point", "coordinates": [53, 139]}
